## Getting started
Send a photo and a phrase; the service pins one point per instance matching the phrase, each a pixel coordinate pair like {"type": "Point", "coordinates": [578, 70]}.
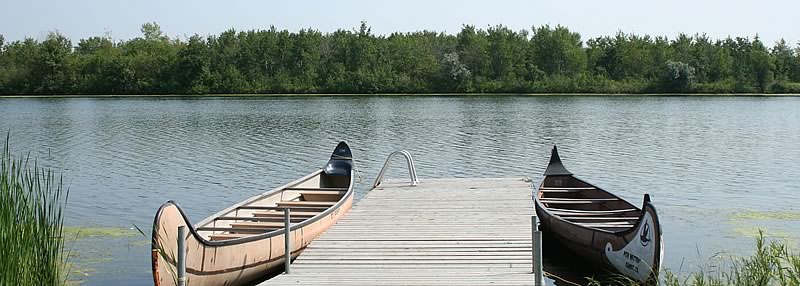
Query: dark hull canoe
{"type": "Point", "coordinates": [598, 226]}
{"type": "Point", "coordinates": [245, 242]}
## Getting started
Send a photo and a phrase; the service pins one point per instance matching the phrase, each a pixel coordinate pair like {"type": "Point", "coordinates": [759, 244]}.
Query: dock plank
{"type": "Point", "coordinates": [441, 232]}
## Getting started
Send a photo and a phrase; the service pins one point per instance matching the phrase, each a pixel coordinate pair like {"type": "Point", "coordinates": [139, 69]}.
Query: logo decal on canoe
{"type": "Point", "coordinates": [645, 237]}
{"type": "Point", "coordinates": [636, 258]}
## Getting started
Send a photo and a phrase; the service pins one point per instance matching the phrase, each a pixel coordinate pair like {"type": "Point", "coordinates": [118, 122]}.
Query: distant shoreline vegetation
{"type": "Point", "coordinates": [545, 59]}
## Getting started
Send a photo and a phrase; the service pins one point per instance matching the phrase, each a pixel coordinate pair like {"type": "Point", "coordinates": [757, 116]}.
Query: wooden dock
{"type": "Point", "coordinates": [440, 232]}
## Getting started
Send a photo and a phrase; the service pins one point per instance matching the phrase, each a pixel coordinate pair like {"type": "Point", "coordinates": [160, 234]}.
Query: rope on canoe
{"type": "Point", "coordinates": [551, 275]}
{"type": "Point", "coordinates": [358, 172]}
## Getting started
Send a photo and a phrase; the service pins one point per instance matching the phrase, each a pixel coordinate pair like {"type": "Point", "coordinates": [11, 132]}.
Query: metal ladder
{"type": "Point", "coordinates": [411, 169]}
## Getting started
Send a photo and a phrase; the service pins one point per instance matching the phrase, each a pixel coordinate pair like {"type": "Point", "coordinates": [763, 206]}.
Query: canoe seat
{"type": "Point", "coordinates": [216, 237]}
{"type": "Point", "coordinates": [575, 201]}
{"type": "Point", "coordinates": [234, 229]}
{"type": "Point", "coordinates": [261, 224]}
{"type": "Point", "coordinates": [322, 193]}
{"type": "Point", "coordinates": [610, 218]}
{"type": "Point", "coordinates": [568, 212]}
{"type": "Point", "coordinates": [268, 208]}
{"type": "Point", "coordinates": [317, 189]}
{"type": "Point", "coordinates": [255, 218]}
{"type": "Point", "coordinates": [590, 211]}
{"type": "Point", "coordinates": [606, 225]}
{"type": "Point", "coordinates": [280, 214]}
{"type": "Point", "coordinates": [563, 190]}
{"type": "Point", "coordinates": [582, 199]}
{"type": "Point", "coordinates": [305, 204]}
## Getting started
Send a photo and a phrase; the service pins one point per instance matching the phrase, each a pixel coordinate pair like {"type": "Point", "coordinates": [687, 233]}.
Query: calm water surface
{"type": "Point", "coordinates": [718, 168]}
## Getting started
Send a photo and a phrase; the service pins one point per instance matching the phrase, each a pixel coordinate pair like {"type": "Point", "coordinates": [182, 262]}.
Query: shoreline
{"type": "Point", "coordinates": [242, 95]}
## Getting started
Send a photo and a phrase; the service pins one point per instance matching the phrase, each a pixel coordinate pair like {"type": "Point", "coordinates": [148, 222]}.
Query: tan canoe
{"type": "Point", "coordinates": [245, 242]}
{"type": "Point", "coordinates": [598, 226]}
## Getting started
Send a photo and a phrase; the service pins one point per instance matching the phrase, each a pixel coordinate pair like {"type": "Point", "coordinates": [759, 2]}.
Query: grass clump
{"type": "Point", "coordinates": [771, 264]}
{"type": "Point", "coordinates": [31, 223]}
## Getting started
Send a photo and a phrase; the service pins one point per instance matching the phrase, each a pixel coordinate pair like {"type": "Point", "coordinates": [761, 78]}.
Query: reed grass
{"type": "Point", "coordinates": [31, 223]}
{"type": "Point", "coordinates": [771, 264]}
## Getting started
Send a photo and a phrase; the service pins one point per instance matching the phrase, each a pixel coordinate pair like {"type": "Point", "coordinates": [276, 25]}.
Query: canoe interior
{"type": "Point", "coordinates": [584, 204]}
{"type": "Point", "coordinates": [307, 199]}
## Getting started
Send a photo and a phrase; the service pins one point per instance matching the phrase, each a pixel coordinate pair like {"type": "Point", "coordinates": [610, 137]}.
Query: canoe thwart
{"type": "Point", "coordinates": [592, 212]}
{"type": "Point", "coordinates": [234, 229]}
{"type": "Point", "coordinates": [616, 218]}
{"type": "Point", "coordinates": [272, 225]}
{"type": "Point", "coordinates": [318, 189]}
{"type": "Point", "coordinates": [570, 202]}
{"type": "Point", "coordinates": [256, 218]}
{"type": "Point", "coordinates": [305, 204]}
{"type": "Point", "coordinates": [280, 214]}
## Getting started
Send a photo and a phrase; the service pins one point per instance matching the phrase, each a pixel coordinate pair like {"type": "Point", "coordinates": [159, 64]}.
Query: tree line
{"type": "Point", "coordinates": [545, 59]}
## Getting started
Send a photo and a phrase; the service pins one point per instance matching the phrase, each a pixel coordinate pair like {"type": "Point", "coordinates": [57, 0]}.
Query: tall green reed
{"type": "Point", "coordinates": [31, 222]}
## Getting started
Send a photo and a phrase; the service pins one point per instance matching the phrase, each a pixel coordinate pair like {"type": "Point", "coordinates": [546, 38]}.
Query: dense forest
{"type": "Point", "coordinates": [544, 60]}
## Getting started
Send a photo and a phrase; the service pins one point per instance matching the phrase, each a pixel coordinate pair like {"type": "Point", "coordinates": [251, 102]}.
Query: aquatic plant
{"type": "Point", "coordinates": [771, 264]}
{"type": "Point", "coordinates": [31, 223]}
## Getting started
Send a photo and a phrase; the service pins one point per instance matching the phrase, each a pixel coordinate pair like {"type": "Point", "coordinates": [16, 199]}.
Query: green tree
{"type": "Point", "coordinates": [102, 69]}
{"type": "Point", "coordinates": [413, 61]}
{"type": "Point", "coordinates": [19, 57]}
{"type": "Point", "coordinates": [784, 60]}
{"type": "Point", "coordinates": [763, 67]}
{"type": "Point", "coordinates": [304, 60]}
{"type": "Point", "coordinates": [557, 51]}
{"type": "Point", "coordinates": [193, 62]}
{"type": "Point", "coordinates": [152, 32]}
{"type": "Point", "coordinates": [93, 45]}
{"type": "Point", "coordinates": [794, 73]}
{"type": "Point", "coordinates": [473, 52]}
{"type": "Point", "coordinates": [456, 72]}
{"type": "Point", "coordinates": [3, 67]}
{"type": "Point", "coordinates": [335, 62]}
{"type": "Point", "coordinates": [152, 59]}
{"type": "Point", "coordinates": [677, 76]}
{"type": "Point", "coordinates": [51, 71]}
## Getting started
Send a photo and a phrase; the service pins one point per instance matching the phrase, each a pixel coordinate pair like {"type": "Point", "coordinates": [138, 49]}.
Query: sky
{"type": "Point", "coordinates": [78, 19]}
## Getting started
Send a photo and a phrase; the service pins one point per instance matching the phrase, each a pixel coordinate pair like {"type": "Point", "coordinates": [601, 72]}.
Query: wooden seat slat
{"type": "Point", "coordinates": [549, 201]}
{"type": "Point", "coordinates": [280, 208]}
{"type": "Point", "coordinates": [215, 237]}
{"type": "Point", "coordinates": [560, 191]}
{"type": "Point", "coordinates": [619, 218]}
{"type": "Point", "coordinates": [582, 199]}
{"type": "Point", "coordinates": [325, 193]}
{"type": "Point", "coordinates": [306, 203]}
{"type": "Point", "coordinates": [256, 218]}
{"type": "Point", "coordinates": [273, 225]}
{"type": "Point", "coordinates": [317, 189]}
{"type": "Point", "coordinates": [234, 229]}
{"type": "Point", "coordinates": [591, 212]}
{"type": "Point", "coordinates": [606, 225]}
{"type": "Point", "coordinates": [280, 214]}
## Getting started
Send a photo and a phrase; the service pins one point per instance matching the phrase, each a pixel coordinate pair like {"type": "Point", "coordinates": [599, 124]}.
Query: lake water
{"type": "Point", "coordinates": [717, 168]}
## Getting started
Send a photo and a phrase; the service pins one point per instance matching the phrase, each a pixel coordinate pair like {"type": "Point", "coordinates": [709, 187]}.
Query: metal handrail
{"type": "Point", "coordinates": [411, 169]}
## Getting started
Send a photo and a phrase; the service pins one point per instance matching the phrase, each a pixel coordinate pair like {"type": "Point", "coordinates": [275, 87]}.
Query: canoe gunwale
{"type": "Point", "coordinates": [202, 240]}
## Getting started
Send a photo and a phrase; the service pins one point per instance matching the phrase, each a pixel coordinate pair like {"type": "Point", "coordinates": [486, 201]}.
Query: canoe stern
{"type": "Point", "coordinates": [642, 256]}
